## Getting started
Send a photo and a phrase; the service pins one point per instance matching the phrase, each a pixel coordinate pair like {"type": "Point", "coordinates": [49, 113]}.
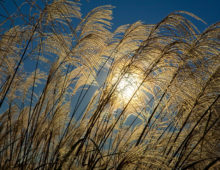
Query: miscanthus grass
{"type": "Point", "coordinates": [76, 95]}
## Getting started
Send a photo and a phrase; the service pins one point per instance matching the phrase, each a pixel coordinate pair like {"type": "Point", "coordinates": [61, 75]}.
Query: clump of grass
{"type": "Point", "coordinates": [140, 97]}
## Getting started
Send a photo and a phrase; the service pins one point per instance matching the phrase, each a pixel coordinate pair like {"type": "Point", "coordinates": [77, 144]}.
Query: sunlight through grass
{"type": "Point", "coordinates": [69, 85]}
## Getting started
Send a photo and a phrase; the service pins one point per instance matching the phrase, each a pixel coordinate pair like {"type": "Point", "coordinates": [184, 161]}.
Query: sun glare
{"type": "Point", "coordinates": [127, 86]}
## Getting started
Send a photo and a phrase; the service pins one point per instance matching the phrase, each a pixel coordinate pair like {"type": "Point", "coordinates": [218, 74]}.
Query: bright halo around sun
{"type": "Point", "coordinates": [127, 86]}
{"type": "Point", "coordinates": [124, 81]}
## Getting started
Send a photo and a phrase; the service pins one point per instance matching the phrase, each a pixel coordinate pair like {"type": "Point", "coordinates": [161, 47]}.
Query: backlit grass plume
{"type": "Point", "coordinates": [76, 95]}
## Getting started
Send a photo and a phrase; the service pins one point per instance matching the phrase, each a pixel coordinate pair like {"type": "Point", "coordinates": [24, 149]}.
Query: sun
{"type": "Point", "coordinates": [125, 81]}
{"type": "Point", "coordinates": [128, 86]}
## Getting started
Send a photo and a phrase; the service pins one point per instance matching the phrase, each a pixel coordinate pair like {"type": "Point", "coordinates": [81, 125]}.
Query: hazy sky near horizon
{"type": "Point", "coordinates": [153, 11]}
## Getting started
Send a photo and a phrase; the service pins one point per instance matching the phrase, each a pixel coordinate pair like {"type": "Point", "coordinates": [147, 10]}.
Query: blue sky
{"type": "Point", "coordinates": [149, 11]}
{"type": "Point", "coordinates": [152, 11]}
